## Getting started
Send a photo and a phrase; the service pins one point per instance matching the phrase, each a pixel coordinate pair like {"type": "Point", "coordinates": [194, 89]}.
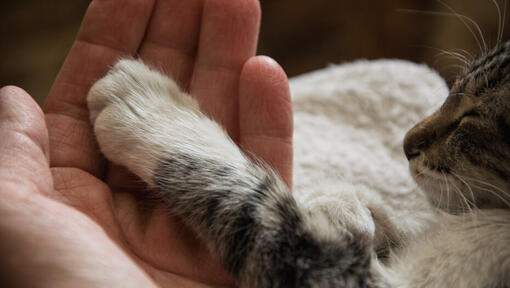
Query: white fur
{"type": "Point", "coordinates": [350, 122]}
{"type": "Point", "coordinates": [345, 210]}
{"type": "Point", "coordinates": [140, 116]}
{"type": "Point", "coordinates": [459, 251]}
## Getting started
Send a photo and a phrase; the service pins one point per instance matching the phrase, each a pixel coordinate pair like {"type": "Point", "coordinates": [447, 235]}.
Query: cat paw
{"type": "Point", "coordinates": [141, 118]}
{"type": "Point", "coordinates": [346, 211]}
{"type": "Point", "coordinates": [131, 84]}
{"type": "Point", "coordinates": [138, 115]}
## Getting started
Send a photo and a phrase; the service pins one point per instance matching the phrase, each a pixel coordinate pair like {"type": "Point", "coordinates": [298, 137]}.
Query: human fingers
{"type": "Point", "coordinates": [24, 150]}
{"type": "Point", "coordinates": [172, 38]}
{"type": "Point", "coordinates": [109, 31]}
{"type": "Point", "coordinates": [265, 114]}
{"type": "Point", "coordinates": [228, 37]}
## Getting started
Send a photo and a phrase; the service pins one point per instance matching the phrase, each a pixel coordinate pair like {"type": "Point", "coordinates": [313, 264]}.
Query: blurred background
{"type": "Point", "coordinates": [302, 35]}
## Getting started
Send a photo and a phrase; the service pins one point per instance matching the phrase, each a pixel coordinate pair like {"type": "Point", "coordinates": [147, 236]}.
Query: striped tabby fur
{"type": "Point", "coordinates": [467, 141]}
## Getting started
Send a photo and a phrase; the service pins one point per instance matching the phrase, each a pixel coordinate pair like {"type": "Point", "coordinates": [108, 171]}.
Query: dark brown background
{"type": "Point", "coordinates": [303, 35]}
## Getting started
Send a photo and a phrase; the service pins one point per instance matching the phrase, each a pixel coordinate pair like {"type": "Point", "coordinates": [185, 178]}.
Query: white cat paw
{"type": "Point", "coordinates": [138, 114]}
{"type": "Point", "coordinates": [132, 84]}
{"type": "Point", "coordinates": [348, 212]}
{"type": "Point", "coordinates": [141, 117]}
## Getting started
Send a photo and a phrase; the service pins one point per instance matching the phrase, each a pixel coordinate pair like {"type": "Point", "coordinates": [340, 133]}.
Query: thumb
{"type": "Point", "coordinates": [24, 153]}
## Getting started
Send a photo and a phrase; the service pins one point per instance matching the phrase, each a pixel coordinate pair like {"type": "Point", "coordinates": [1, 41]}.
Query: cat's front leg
{"type": "Point", "coordinates": [243, 211]}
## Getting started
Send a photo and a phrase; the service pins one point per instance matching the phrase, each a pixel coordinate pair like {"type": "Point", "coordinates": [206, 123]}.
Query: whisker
{"type": "Point", "coordinates": [448, 199]}
{"type": "Point", "coordinates": [495, 194]}
{"type": "Point", "coordinates": [459, 67]}
{"type": "Point", "coordinates": [440, 193]}
{"type": "Point", "coordinates": [442, 52]}
{"type": "Point", "coordinates": [457, 188]}
{"type": "Point", "coordinates": [463, 19]}
{"type": "Point", "coordinates": [460, 55]}
{"type": "Point", "coordinates": [499, 20]}
{"type": "Point", "coordinates": [466, 54]}
{"type": "Point", "coordinates": [468, 186]}
{"type": "Point", "coordinates": [446, 182]}
{"type": "Point", "coordinates": [505, 193]}
{"type": "Point", "coordinates": [504, 19]}
{"type": "Point", "coordinates": [471, 212]}
{"type": "Point", "coordinates": [478, 35]}
{"type": "Point", "coordinates": [420, 173]}
{"type": "Point", "coordinates": [464, 200]}
{"type": "Point", "coordinates": [452, 53]}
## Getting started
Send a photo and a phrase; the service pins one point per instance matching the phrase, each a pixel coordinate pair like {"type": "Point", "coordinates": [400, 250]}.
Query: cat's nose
{"type": "Point", "coordinates": [415, 141]}
{"type": "Point", "coordinates": [421, 137]}
{"type": "Point", "coordinates": [410, 150]}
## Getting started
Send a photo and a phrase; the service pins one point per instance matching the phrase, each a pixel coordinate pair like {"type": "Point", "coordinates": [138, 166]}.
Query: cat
{"type": "Point", "coordinates": [255, 228]}
{"type": "Point", "coordinates": [463, 149]}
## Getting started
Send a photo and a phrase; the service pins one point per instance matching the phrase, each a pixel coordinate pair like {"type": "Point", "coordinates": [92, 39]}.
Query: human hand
{"type": "Point", "coordinates": [44, 242]}
{"type": "Point", "coordinates": [208, 47]}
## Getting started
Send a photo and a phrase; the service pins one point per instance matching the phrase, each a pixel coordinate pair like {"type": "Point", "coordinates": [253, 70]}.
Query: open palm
{"type": "Point", "coordinates": [208, 47]}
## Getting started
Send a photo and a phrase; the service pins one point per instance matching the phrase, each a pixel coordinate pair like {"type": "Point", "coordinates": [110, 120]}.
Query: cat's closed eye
{"type": "Point", "coordinates": [468, 116]}
{"type": "Point", "coordinates": [470, 113]}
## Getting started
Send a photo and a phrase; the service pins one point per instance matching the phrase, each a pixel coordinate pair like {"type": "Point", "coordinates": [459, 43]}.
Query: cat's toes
{"type": "Point", "coordinates": [347, 211]}
{"type": "Point", "coordinates": [134, 85]}
{"type": "Point", "coordinates": [110, 89]}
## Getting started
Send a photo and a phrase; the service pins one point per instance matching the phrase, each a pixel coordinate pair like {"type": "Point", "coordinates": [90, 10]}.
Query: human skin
{"type": "Point", "coordinates": [74, 219]}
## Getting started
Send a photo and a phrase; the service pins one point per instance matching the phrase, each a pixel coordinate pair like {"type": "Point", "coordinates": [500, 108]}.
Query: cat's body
{"type": "Point", "coordinates": [261, 234]}
{"type": "Point", "coordinates": [458, 251]}
{"type": "Point", "coordinates": [460, 157]}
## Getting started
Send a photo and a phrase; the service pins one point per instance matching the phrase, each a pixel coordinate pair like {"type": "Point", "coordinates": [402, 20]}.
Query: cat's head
{"type": "Point", "coordinates": [460, 155]}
